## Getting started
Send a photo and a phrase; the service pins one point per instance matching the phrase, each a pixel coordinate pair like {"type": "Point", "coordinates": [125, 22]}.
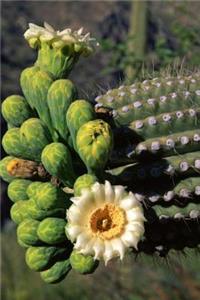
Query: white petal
{"type": "Point", "coordinates": [108, 253]}
{"type": "Point", "coordinates": [82, 241]}
{"type": "Point", "coordinates": [35, 27]}
{"type": "Point", "coordinates": [98, 248]}
{"type": "Point", "coordinates": [73, 216]}
{"type": "Point", "coordinates": [80, 31]}
{"type": "Point", "coordinates": [88, 249]}
{"type": "Point", "coordinates": [66, 31]}
{"type": "Point", "coordinates": [85, 201]}
{"type": "Point", "coordinates": [129, 239]}
{"type": "Point", "coordinates": [119, 192]}
{"type": "Point", "coordinates": [68, 38]}
{"type": "Point", "coordinates": [75, 200]}
{"type": "Point", "coordinates": [129, 202]}
{"type": "Point", "coordinates": [109, 192]}
{"type": "Point", "coordinates": [98, 192]}
{"type": "Point", "coordinates": [48, 27]}
{"type": "Point", "coordinates": [46, 37]}
{"type": "Point", "coordinates": [118, 247]}
{"type": "Point", "coordinates": [135, 214]}
{"type": "Point", "coordinates": [136, 227]}
{"type": "Point", "coordinates": [73, 231]}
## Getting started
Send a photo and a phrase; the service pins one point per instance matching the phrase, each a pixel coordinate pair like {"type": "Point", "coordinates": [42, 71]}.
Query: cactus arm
{"type": "Point", "coordinates": [160, 89]}
{"type": "Point", "coordinates": [137, 33]}
{"type": "Point", "coordinates": [163, 124]}
{"type": "Point", "coordinates": [177, 143]}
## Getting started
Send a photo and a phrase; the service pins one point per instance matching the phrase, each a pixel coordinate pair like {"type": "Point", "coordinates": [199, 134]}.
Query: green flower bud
{"type": "Point", "coordinates": [94, 143]}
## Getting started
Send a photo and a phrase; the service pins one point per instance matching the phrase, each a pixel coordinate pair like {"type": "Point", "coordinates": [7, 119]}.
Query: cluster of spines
{"type": "Point", "coordinates": [163, 124]}
{"type": "Point", "coordinates": [173, 233]}
{"type": "Point", "coordinates": [181, 142]}
{"type": "Point", "coordinates": [172, 166]}
{"type": "Point", "coordinates": [150, 89]}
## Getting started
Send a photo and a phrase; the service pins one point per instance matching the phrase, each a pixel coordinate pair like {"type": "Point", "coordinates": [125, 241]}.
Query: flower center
{"type": "Point", "coordinates": [107, 222]}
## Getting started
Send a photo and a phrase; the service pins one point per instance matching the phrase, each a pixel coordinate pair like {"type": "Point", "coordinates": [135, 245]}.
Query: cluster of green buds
{"type": "Point", "coordinates": [58, 51]}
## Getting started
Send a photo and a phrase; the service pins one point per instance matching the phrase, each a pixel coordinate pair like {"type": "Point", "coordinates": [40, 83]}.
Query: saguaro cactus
{"type": "Point", "coordinates": [82, 194]}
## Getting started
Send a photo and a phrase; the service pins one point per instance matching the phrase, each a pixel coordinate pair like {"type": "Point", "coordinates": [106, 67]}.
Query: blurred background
{"type": "Point", "coordinates": [137, 40]}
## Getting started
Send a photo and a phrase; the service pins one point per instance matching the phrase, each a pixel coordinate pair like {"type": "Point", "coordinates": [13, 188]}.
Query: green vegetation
{"type": "Point", "coordinates": [176, 278]}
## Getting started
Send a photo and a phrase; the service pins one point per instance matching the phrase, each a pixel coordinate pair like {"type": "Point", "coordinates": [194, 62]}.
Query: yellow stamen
{"type": "Point", "coordinates": [107, 222]}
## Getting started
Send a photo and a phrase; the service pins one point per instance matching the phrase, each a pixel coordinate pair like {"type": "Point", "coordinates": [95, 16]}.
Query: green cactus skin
{"type": "Point", "coordinates": [179, 165]}
{"type": "Point", "coordinates": [27, 232]}
{"type": "Point", "coordinates": [34, 212]}
{"type": "Point", "coordinates": [149, 89]}
{"type": "Point", "coordinates": [22, 244]}
{"type": "Point", "coordinates": [187, 187]}
{"type": "Point", "coordinates": [79, 113]}
{"type": "Point", "coordinates": [9, 126]}
{"type": "Point", "coordinates": [57, 272]}
{"type": "Point", "coordinates": [156, 126]}
{"type": "Point", "coordinates": [42, 258]}
{"type": "Point", "coordinates": [34, 136]}
{"type": "Point", "coordinates": [177, 143]}
{"type": "Point", "coordinates": [57, 61]}
{"type": "Point", "coordinates": [94, 143]}
{"type": "Point", "coordinates": [35, 84]}
{"type": "Point", "coordinates": [50, 197]}
{"type": "Point", "coordinates": [52, 231]}
{"type": "Point", "coordinates": [82, 182]}
{"type": "Point", "coordinates": [179, 194]}
{"type": "Point", "coordinates": [191, 211]}
{"type": "Point", "coordinates": [12, 144]}
{"type": "Point", "coordinates": [16, 110]}
{"type": "Point", "coordinates": [57, 160]}
{"type": "Point", "coordinates": [139, 110]}
{"type": "Point", "coordinates": [60, 95]}
{"type": "Point", "coordinates": [18, 211]}
{"type": "Point", "coordinates": [32, 188]}
{"type": "Point", "coordinates": [3, 169]}
{"type": "Point", "coordinates": [17, 189]}
{"type": "Point", "coordinates": [83, 264]}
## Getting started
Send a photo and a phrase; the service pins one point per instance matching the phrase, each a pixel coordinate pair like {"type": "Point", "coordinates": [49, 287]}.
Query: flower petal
{"type": "Point", "coordinates": [98, 192]}
{"type": "Point", "coordinates": [81, 241]}
{"type": "Point", "coordinates": [118, 247]}
{"type": "Point", "coordinates": [129, 239]}
{"type": "Point", "coordinates": [108, 253]}
{"type": "Point", "coordinates": [109, 192]}
{"type": "Point", "coordinates": [98, 248]}
{"type": "Point", "coordinates": [135, 214]}
{"type": "Point", "coordinates": [129, 202]}
{"type": "Point", "coordinates": [119, 193]}
{"type": "Point", "coordinates": [73, 231]}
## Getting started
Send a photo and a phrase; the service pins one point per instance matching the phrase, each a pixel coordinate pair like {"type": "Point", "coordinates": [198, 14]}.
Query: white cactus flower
{"type": "Point", "coordinates": [55, 37]}
{"type": "Point", "coordinates": [104, 221]}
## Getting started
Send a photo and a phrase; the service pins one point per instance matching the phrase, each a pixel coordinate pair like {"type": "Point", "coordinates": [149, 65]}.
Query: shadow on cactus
{"type": "Point", "coordinates": [93, 182]}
